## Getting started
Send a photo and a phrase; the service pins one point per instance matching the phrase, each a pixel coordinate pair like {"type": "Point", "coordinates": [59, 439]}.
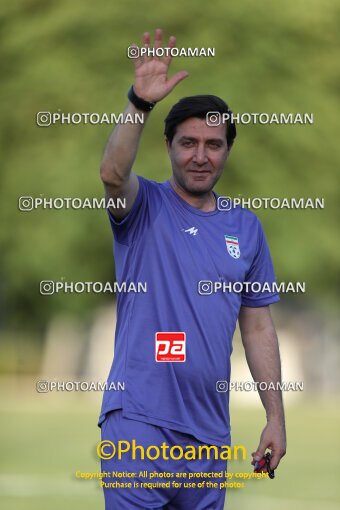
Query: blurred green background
{"type": "Point", "coordinates": [71, 56]}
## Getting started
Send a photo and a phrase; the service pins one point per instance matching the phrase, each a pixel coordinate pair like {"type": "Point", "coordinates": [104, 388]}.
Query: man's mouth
{"type": "Point", "coordinates": [199, 171]}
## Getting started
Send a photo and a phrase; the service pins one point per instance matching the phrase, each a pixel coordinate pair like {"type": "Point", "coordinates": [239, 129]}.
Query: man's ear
{"type": "Point", "coordinates": [167, 143]}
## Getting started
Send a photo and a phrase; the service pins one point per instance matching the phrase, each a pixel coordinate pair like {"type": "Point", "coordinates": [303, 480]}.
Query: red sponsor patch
{"type": "Point", "coordinates": [170, 346]}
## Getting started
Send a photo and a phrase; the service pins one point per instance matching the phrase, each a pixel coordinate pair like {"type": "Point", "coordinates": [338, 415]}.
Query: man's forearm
{"type": "Point", "coordinates": [121, 149]}
{"type": "Point", "coordinates": [263, 357]}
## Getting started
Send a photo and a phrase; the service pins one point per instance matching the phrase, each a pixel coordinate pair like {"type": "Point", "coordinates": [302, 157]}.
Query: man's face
{"type": "Point", "coordinates": [198, 153]}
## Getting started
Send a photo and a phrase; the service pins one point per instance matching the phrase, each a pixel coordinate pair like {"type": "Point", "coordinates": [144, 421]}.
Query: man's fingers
{"type": "Point", "coordinates": [172, 41]}
{"type": "Point", "coordinates": [276, 457]}
{"type": "Point", "coordinates": [259, 452]}
{"type": "Point", "coordinates": [146, 38]}
{"type": "Point", "coordinates": [274, 461]}
{"type": "Point", "coordinates": [172, 82]}
{"type": "Point", "coordinates": [158, 38]}
{"type": "Point", "coordinates": [146, 44]}
{"type": "Point", "coordinates": [171, 44]}
{"type": "Point", "coordinates": [158, 70]}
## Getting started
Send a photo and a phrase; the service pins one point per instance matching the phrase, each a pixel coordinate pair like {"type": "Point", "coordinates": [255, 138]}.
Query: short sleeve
{"type": "Point", "coordinates": [143, 213]}
{"type": "Point", "coordinates": [260, 276]}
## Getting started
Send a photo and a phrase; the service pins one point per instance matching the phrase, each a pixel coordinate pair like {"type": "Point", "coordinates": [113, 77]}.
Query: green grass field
{"type": "Point", "coordinates": [47, 438]}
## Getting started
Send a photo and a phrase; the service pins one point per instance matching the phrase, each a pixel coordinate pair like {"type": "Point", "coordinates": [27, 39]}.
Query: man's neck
{"type": "Point", "coordinates": [206, 202]}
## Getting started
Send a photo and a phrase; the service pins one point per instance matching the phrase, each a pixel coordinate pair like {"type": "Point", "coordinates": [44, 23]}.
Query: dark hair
{"type": "Point", "coordinates": [197, 106]}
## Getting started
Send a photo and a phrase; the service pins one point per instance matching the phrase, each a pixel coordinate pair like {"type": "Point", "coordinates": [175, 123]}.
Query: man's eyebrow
{"type": "Point", "coordinates": [216, 140]}
{"type": "Point", "coordinates": [190, 138]}
{"type": "Point", "coordinates": [193, 139]}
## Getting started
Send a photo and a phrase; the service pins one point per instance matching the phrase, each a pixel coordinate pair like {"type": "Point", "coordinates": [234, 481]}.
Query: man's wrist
{"type": "Point", "coordinates": [140, 103]}
{"type": "Point", "coordinates": [276, 417]}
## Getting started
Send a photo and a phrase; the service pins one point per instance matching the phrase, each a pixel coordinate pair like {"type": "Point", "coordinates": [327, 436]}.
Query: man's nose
{"type": "Point", "coordinates": [200, 156]}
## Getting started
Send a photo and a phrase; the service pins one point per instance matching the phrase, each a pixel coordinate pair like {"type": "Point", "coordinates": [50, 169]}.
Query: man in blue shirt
{"type": "Point", "coordinates": [174, 342]}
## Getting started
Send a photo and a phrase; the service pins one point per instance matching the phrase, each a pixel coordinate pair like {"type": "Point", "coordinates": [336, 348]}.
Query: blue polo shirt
{"type": "Point", "coordinates": [172, 246]}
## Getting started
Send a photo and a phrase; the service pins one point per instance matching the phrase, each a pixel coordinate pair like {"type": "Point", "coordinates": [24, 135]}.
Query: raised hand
{"type": "Point", "coordinates": [151, 80]}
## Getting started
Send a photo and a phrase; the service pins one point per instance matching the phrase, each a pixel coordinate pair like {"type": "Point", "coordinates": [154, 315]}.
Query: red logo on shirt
{"type": "Point", "coordinates": [170, 346]}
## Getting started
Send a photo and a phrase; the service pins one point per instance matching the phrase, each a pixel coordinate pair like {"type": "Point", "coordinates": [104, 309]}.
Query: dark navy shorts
{"type": "Point", "coordinates": [168, 497]}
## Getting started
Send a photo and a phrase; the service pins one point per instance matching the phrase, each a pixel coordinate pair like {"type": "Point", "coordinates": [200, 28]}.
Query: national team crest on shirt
{"type": "Point", "coordinates": [232, 246]}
